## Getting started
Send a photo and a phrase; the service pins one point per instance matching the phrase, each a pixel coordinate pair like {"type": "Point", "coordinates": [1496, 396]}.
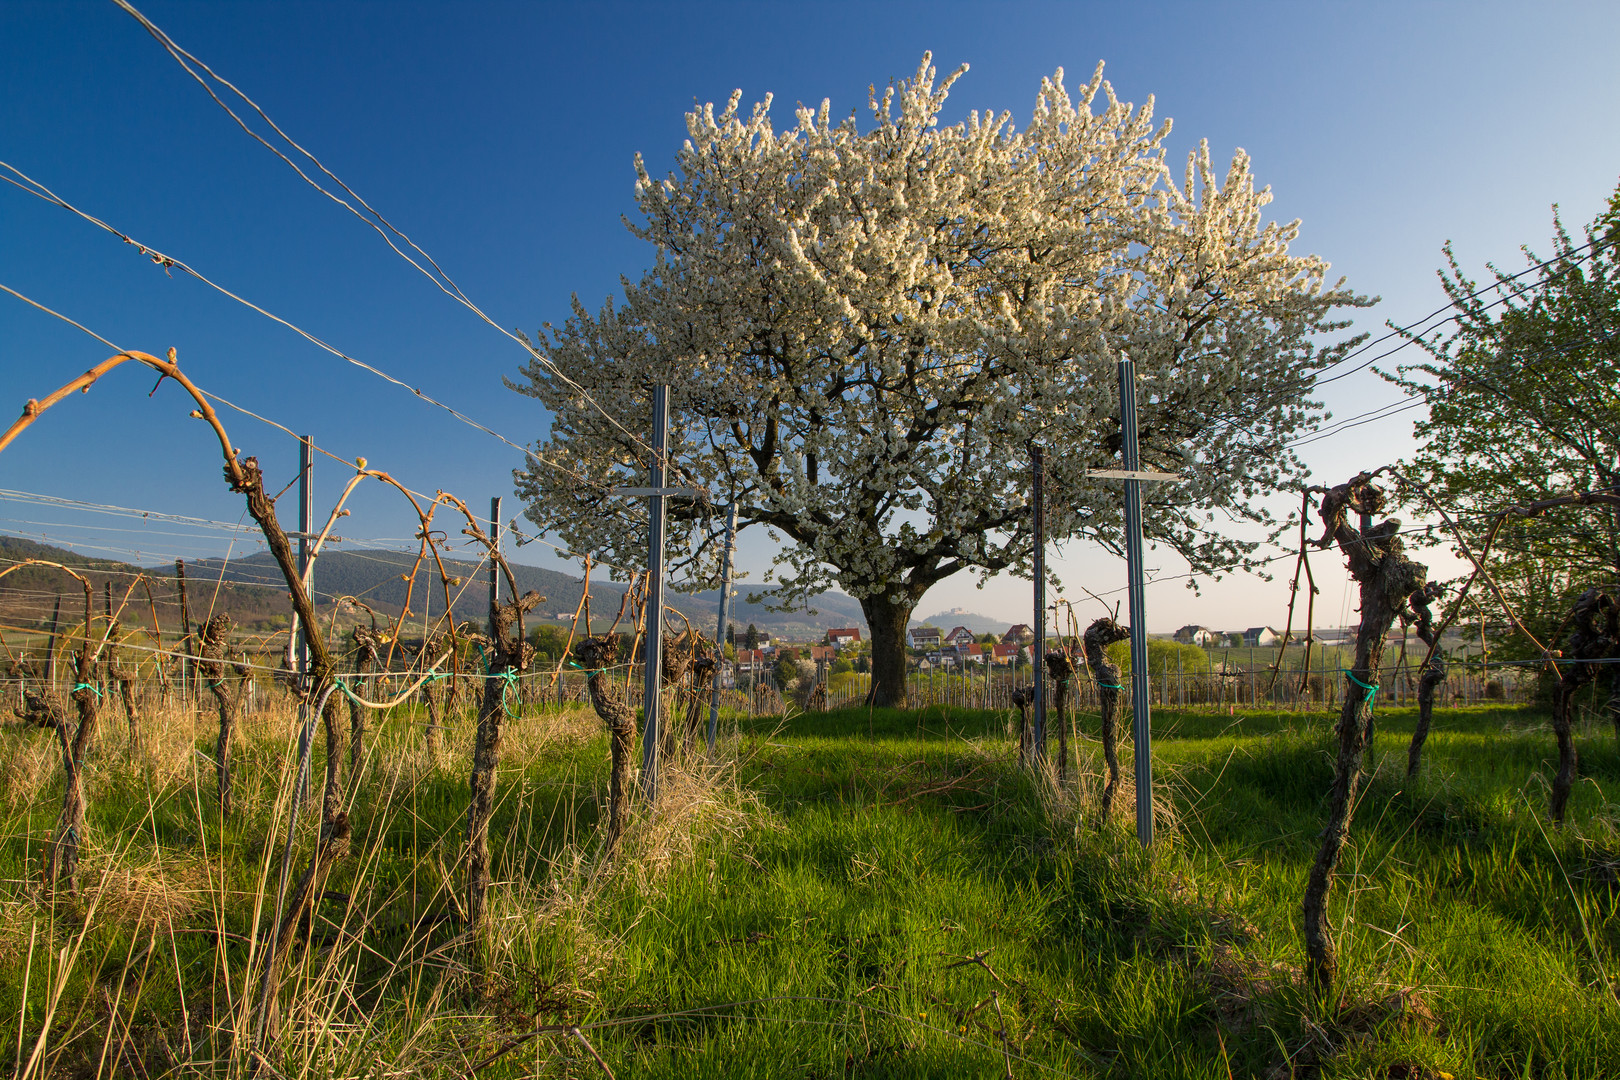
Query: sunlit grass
{"type": "Point", "coordinates": [858, 893]}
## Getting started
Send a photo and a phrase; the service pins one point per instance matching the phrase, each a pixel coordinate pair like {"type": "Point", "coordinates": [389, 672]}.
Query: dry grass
{"type": "Point", "coordinates": [28, 758]}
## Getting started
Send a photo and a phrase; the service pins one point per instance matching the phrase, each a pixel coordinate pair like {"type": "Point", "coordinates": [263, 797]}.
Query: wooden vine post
{"type": "Point", "coordinates": [62, 854]}
{"type": "Point", "coordinates": [368, 658]}
{"type": "Point", "coordinates": [1432, 674]}
{"type": "Point", "coordinates": [1098, 636]}
{"type": "Point", "coordinates": [1594, 635]}
{"type": "Point", "coordinates": [116, 674]}
{"type": "Point", "coordinates": [212, 646]}
{"type": "Point", "coordinates": [1061, 669]}
{"type": "Point", "coordinates": [1387, 580]}
{"type": "Point", "coordinates": [597, 655]}
{"type": "Point", "coordinates": [187, 644]}
{"type": "Point", "coordinates": [509, 656]}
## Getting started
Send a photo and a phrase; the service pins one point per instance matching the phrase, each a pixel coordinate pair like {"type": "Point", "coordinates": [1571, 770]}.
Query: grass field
{"type": "Point", "coordinates": [878, 894]}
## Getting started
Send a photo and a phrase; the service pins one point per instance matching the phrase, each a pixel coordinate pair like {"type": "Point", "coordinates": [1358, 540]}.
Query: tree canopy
{"type": "Point", "coordinates": [863, 329]}
{"type": "Point", "coordinates": [1523, 405]}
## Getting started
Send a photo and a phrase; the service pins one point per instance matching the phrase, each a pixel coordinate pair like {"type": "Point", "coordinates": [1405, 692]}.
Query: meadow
{"type": "Point", "coordinates": [858, 893]}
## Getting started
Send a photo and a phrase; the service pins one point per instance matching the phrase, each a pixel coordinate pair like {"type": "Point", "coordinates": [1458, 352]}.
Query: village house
{"type": "Point", "coordinates": [1261, 637]}
{"type": "Point", "coordinates": [1005, 653]}
{"type": "Point", "coordinates": [924, 637]}
{"type": "Point", "coordinates": [844, 637]}
{"type": "Point", "coordinates": [1197, 635]}
{"type": "Point", "coordinates": [1019, 633]}
{"type": "Point", "coordinates": [960, 635]}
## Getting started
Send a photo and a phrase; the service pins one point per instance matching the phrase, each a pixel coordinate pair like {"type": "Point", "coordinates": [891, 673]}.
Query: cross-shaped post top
{"type": "Point", "coordinates": [651, 492]}
{"type": "Point", "coordinates": [1131, 474]}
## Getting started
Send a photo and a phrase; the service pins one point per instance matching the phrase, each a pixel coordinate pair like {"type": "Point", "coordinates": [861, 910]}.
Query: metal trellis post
{"type": "Point", "coordinates": [1133, 475]}
{"type": "Point", "coordinates": [656, 493]}
{"type": "Point", "coordinates": [306, 574]}
{"type": "Point", "coordinates": [653, 642]}
{"type": "Point", "coordinates": [494, 564]}
{"type": "Point", "coordinates": [720, 629]}
{"type": "Point", "coordinates": [1037, 457]}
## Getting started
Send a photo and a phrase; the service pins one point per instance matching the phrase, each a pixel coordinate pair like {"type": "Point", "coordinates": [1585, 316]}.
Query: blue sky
{"type": "Point", "coordinates": [500, 138]}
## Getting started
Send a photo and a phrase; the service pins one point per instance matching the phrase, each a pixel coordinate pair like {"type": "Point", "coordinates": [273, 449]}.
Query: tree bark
{"type": "Point", "coordinates": [123, 678]}
{"type": "Point", "coordinates": [432, 695]}
{"type": "Point", "coordinates": [186, 667]}
{"type": "Point", "coordinates": [368, 658]}
{"type": "Point", "coordinates": [1614, 700]}
{"type": "Point", "coordinates": [212, 668]}
{"type": "Point", "coordinates": [509, 657]}
{"type": "Point", "coordinates": [1594, 634]}
{"type": "Point", "coordinates": [887, 621]}
{"type": "Point", "coordinates": [1098, 636]}
{"type": "Point", "coordinates": [1431, 677]}
{"type": "Point", "coordinates": [1387, 580]}
{"type": "Point", "coordinates": [1022, 700]}
{"type": "Point", "coordinates": [1061, 669]}
{"type": "Point", "coordinates": [597, 654]}
{"type": "Point", "coordinates": [62, 857]}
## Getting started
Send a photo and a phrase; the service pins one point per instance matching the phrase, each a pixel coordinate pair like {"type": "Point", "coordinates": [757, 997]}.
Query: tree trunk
{"type": "Point", "coordinates": [368, 646]}
{"type": "Point", "coordinates": [1061, 669]}
{"type": "Point", "coordinates": [1568, 763]}
{"type": "Point", "coordinates": [62, 857]}
{"type": "Point", "coordinates": [887, 622]}
{"type": "Point", "coordinates": [1614, 699]}
{"type": "Point", "coordinates": [597, 654]}
{"type": "Point", "coordinates": [1022, 700]}
{"type": "Point", "coordinates": [1594, 635]}
{"type": "Point", "coordinates": [509, 657]}
{"type": "Point", "coordinates": [486, 755]}
{"type": "Point", "coordinates": [122, 678]}
{"type": "Point", "coordinates": [1387, 579]}
{"type": "Point", "coordinates": [1431, 677]}
{"type": "Point", "coordinates": [1099, 635]}
{"type": "Point", "coordinates": [126, 693]}
{"type": "Point", "coordinates": [212, 668]}
{"type": "Point", "coordinates": [186, 670]}
{"type": "Point", "coordinates": [431, 696]}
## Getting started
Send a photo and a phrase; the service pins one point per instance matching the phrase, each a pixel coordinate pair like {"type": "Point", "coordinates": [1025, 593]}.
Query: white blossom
{"type": "Point", "coordinates": [863, 328]}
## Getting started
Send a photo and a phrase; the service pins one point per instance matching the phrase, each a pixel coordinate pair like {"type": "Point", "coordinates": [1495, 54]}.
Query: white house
{"type": "Point", "coordinates": [924, 637]}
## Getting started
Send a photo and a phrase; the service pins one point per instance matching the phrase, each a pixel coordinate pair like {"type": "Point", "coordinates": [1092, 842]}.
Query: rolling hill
{"type": "Point", "coordinates": [251, 590]}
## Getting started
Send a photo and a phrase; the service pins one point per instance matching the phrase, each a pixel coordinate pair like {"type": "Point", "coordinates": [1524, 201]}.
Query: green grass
{"type": "Point", "coordinates": [814, 910]}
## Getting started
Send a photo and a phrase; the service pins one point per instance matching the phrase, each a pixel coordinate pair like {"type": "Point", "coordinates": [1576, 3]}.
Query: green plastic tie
{"type": "Point", "coordinates": [343, 686]}
{"type": "Point", "coordinates": [510, 679]}
{"type": "Point", "coordinates": [88, 686]}
{"type": "Point", "coordinates": [1110, 686]}
{"type": "Point", "coordinates": [586, 670]}
{"type": "Point", "coordinates": [1371, 688]}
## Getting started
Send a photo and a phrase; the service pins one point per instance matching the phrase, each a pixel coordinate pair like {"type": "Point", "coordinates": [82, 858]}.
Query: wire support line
{"type": "Point", "coordinates": [376, 221]}
{"type": "Point", "coordinates": [1422, 327]}
{"type": "Point", "coordinates": [57, 314]}
{"type": "Point", "coordinates": [1584, 251]}
{"type": "Point", "coordinates": [154, 650]}
{"type": "Point", "coordinates": [1383, 412]}
{"type": "Point", "coordinates": [45, 194]}
{"type": "Point", "coordinates": [63, 502]}
{"type": "Point", "coordinates": [637, 518]}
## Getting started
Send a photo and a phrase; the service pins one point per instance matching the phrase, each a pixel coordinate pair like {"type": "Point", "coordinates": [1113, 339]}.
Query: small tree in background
{"type": "Point", "coordinates": [1522, 407]}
